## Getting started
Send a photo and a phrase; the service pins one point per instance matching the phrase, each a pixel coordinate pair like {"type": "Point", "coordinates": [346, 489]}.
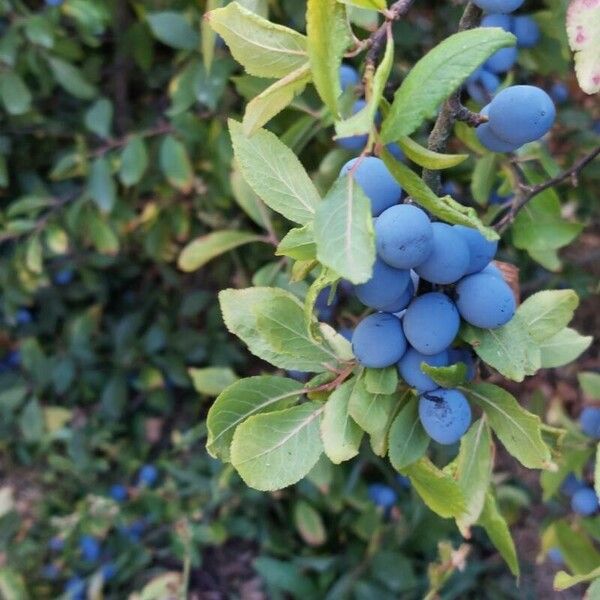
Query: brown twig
{"type": "Point", "coordinates": [332, 385]}
{"type": "Point", "coordinates": [526, 192]}
{"type": "Point", "coordinates": [161, 129]}
{"type": "Point", "coordinates": [452, 108]}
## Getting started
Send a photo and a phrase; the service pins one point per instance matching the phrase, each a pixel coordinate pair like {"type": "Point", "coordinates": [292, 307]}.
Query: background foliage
{"type": "Point", "coordinates": [115, 157]}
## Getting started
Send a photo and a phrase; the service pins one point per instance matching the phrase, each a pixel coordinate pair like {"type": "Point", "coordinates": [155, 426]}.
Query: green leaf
{"type": "Point", "coordinates": [495, 526]}
{"type": "Point", "coordinates": [590, 384]}
{"type": "Point", "coordinates": [175, 164]}
{"type": "Point", "coordinates": [483, 177]}
{"type": "Point", "coordinates": [211, 381]}
{"type": "Point", "coordinates": [298, 243]}
{"type": "Point", "coordinates": [583, 30]}
{"type": "Point", "coordinates": [263, 48]}
{"type": "Point", "coordinates": [274, 173]}
{"type": "Point", "coordinates": [408, 440]}
{"type": "Point", "coordinates": [447, 377]}
{"type": "Point", "coordinates": [271, 322]}
{"type": "Point", "coordinates": [39, 30]}
{"type": "Point", "coordinates": [445, 208]}
{"type": "Point", "coordinates": [101, 185]}
{"type": "Point", "coordinates": [362, 121]}
{"type": "Point", "coordinates": [203, 249]}
{"type": "Point", "coordinates": [444, 67]}
{"type": "Point", "coordinates": [578, 551]}
{"type": "Point", "coordinates": [208, 36]}
{"type": "Point", "coordinates": [564, 347]}
{"type": "Point", "coordinates": [248, 200]}
{"type": "Point", "coordinates": [519, 430]}
{"type": "Point", "coordinates": [344, 231]}
{"type": "Point", "coordinates": [341, 436]}
{"type": "Point", "coordinates": [241, 400]}
{"type": "Point", "coordinates": [15, 95]}
{"type": "Point", "coordinates": [102, 235]}
{"type": "Point", "coordinates": [274, 450]}
{"type": "Point", "coordinates": [286, 576]}
{"type": "Point", "coordinates": [134, 161]}
{"type": "Point", "coordinates": [309, 524]}
{"type": "Point", "coordinates": [274, 99]}
{"type": "Point", "coordinates": [427, 158]}
{"type": "Point", "coordinates": [12, 585]}
{"type": "Point", "coordinates": [368, 4]}
{"type": "Point", "coordinates": [322, 281]}
{"type": "Point", "coordinates": [508, 349]}
{"type": "Point", "coordinates": [31, 421]}
{"type": "Point", "coordinates": [381, 381]}
{"type": "Point", "coordinates": [437, 489]}
{"type": "Point", "coordinates": [473, 472]}
{"type": "Point", "coordinates": [564, 581]}
{"type": "Point", "coordinates": [173, 29]}
{"type": "Point", "coordinates": [70, 79]}
{"type": "Point", "coordinates": [328, 36]}
{"type": "Point", "coordinates": [548, 312]}
{"type": "Point", "coordinates": [98, 118]}
{"type": "Point", "coordinates": [34, 254]}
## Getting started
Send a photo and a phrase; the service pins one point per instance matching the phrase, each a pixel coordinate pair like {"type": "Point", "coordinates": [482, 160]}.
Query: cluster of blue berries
{"type": "Point", "coordinates": [411, 329]}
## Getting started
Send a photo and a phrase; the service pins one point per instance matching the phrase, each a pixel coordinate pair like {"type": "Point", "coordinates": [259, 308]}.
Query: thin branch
{"type": "Point", "coordinates": [161, 129]}
{"type": "Point", "coordinates": [526, 192]}
{"type": "Point", "coordinates": [452, 108]}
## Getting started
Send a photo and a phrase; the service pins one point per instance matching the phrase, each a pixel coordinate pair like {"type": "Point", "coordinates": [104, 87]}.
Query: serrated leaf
{"type": "Point", "coordinates": [285, 344]}
{"type": "Point", "coordinates": [362, 121]}
{"type": "Point", "coordinates": [321, 282]}
{"type": "Point", "coordinates": [328, 38]}
{"type": "Point", "coordinates": [564, 347]}
{"type": "Point", "coordinates": [495, 526]}
{"type": "Point", "coordinates": [427, 158]}
{"type": "Point", "coordinates": [274, 99]}
{"type": "Point", "coordinates": [437, 489]}
{"type": "Point", "coordinates": [98, 118]}
{"type": "Point", "coordinates": [408, 441]}
{"type": "Point", "coordinates": [445, 208]}
{"type": "Point", "coordinates": [274, 450]}
{"type": "Point", "coordinates": [344, 231]}
{"type": "Point", "coordinates": [298, 243]}
{"type": "Point", "coordinates": [211, 381]}
{"type": "Point", "coordinates": [473, 472]}
{"type": "Point", "coordinates": [309, 524]}
{"type": "Point", "coordinates": [101, 185]}
{"type": "Point", "coordinates": [263, 48]}
{"type": "Point", "coordinates": [583, 30]}
{"type": "Point", "coordinates": [508, 349]}
{"type": "Point", "coordinates": [134, 161]}
{"type": "Point", "coordinates": [381, 381]}
{"type": "Point", "coordinates": [275, 174]}
{"type": "Point", "coordinates": [241, 400]}
{"type": "Point", "coordinates": [175, 164]}
{"type": "Point", "coordinates": [444, 67]}
{"type": "Point", "coordinates": [447, 377]}
{"type": "Point", "coordinates": [483, 177]}
{"type": "Point", "coordinates": [173, 29]}
{"type": "Point", "coordinates": [203, 249]}
{"type": "Point", "coordinates": [519, 430]}
{"type": "Point", "coordinates": [341, 436]}
{"type": "Point", "coordinates": [15, 95]}
{"type": "Point", "coordinates": [70, 79]}
{"type": "Point", "coordinates": [548, 312]}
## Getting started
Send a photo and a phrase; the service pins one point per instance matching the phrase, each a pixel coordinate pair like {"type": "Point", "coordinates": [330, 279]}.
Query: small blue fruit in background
{"type": "Point", "coordinates": [502, 60]}
{"type": "Point", "coordinates": [325, 310]}
{"type": "Point", "coordinates": [23, 316]}
{"type": "Point", "coordinates": [118, 492]}
{"type": "Point", "coordinates": [584, 502]}
{"type": "Point", "coordinates": [445, 415]}
{"type": "Point", "coordinates": [64, 277]}
{"type": "Point", "coordinates": [147, 476]}
{"type": "Point", "coordinates": [75, 588]}
{"type": "Point", "coordinates": [395, 151]}
{"type": "Point", "coordinates": [590, 421]}
{"type": "Point", "coordinates": [555, 555]}
{"type": "Point", "coordinates": [13, 359]}
{"type": "Point", "coordinates": [571, 484]}
{"type": "Point", "coordinates": [385, 287]}
{"type": "Point", "coordinates": [349, 77]}
{"type": "Point", "coordinates": [526, 31]}
{"type": "Point", "coordinates": [108, 571]}
{"type": "Point", "coordinates": [56, 544]}
{"type": "Point", "coordinates": [559, 92]}
{"type": "Point", "coordinates": [378, 341]}
{"type": "Point", "coordinates": [90, 548]}
{"type": "Point", "coordinates": [403, 481]}
{"type": "Point", "coordinates": [297, 375]}
{"type": "Point", "coordinates": [382, 495]}
{"type": "Point", "coordinates": [134, 530]}
{"type": "Point", "coordinates": [354, 143]}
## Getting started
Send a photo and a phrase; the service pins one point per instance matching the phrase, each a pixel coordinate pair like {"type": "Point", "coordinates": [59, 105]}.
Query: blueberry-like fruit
{"type": "Point", "coordinates": [590, 421]}
{"type": "Point", "coordinates": [378, 341]}
{"type": "Point", "coordinates": [445, 415]}
{"type": "Point", "coordinates": [410, 370]}
{"type": "Point", "coordinates": [349, 77]}
{"type": "Point", "coordinates": [481, 250]}
{"type": "Point", "coordinates": [382, 495]}
{"type": "Point", "coordinates": [148, 475]}
{"type": "Point", "coordinates": [584, 502]}
{"type": "Point", "coordinates": [386, 286]}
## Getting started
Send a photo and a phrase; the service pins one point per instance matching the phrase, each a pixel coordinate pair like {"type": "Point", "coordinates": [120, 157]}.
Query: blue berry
{"type": "Point", "coordinates": [492, 269]}
{"type": "Point", "coordinates": [497, 20]}
{"type": "Point", "coordinates": [403, 301]}
{"type": "Point", "coordinates": [590, 421]}
{"type": "Point", "coordinates": [496, 198]}
{"type": "Point", "coordinates": [498, 6]}
{"type": "Point", "coordinates": [64, 277]}
{"type": "Point", "coordinates": [521, 114]}
{"type": "Point", "coordinates": [404, 236]}
{"type": "Point", "coordinates": [463, 355]}
{"type": "Point", "coordinates": [450, 188]}
{"type": "Point", "coordinates": [491, 141]}
{"type": "Point", "coordinates": [584, 502]}
{"type": "Point", "coordinates": [75, 588]}
{"type": "Point", "coordinates": [571, 484]}
{"type": "Point", "coordinates": [485, 301]}
{"type": "Point", "coordinates": [555, 556]}
{"type": "Point", "coordinates": [376, 181]}
{"type": "Point", "coordinates": [431, 323]}
{"type": "Point", "coordinates": [396, 151]}
{"type": "Point", "coordinates": [385, 287]}
{"type": "Point", "coordinates": [403, 481]}
{"type": "Point", "coordinates": [13, 359]}
{"type": "Point", "coordinates": [354, 143]}
{"type": "Point", "coordinates": [147, 476]}
{"type": "Point", "coordinates": [118, 492]}
{"type": "Point", "coordinates": [409, 368]}
{"type": "Point", "coordinates": [90, 548]}
{"type": "Point", "coordinates": [448, 260]}
{"type": "Point", "coordinates": [378, 341]}
{"type": "Point", "coordinates": [481, 250]}
{"type": "Point", "coordinates": [134, 530]}
{"type": "Point", "coordinates": [325, 310]}
{"type": "Point", "coordinates": [526, 31]}
{"type": "Point", "coordinates": [502, 60]}
{"type": "Point", "coordinates": [559, 92]}
{"type": "Point", "coordinates": [349, 77]}
{"type": "Point", "coordinates": [297, 375]}
{"type": "Point", "coordinates": [445, 415]}
{"type": "Point", "coordinates": [23, 316]}
{"type": "Point", "coordinates": [382, 495]}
